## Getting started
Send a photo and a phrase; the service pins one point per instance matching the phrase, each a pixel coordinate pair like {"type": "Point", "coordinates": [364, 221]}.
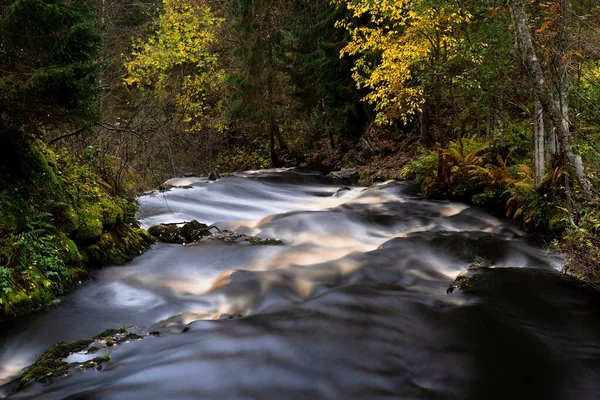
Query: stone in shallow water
{"type": "Point", "coordinates": [174, 233]}
{"type": "Point", "coordinates": [62, 357]}
{"type": "Point", "coordinates": [194, 231]}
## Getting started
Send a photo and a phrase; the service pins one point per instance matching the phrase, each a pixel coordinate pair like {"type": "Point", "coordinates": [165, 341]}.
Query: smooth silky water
{"type": "Point", "coordinates": [354, 305]}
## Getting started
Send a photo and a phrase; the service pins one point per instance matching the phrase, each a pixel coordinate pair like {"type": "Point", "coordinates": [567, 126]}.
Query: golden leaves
{"type": "Point", "coordinates": [179, 57]}
{"type": "Point", "coordinates": [399, 40]}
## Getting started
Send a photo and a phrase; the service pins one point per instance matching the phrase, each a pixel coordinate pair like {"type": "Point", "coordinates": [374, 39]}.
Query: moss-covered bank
{"type": "Point", "coordinates": [57, 218]}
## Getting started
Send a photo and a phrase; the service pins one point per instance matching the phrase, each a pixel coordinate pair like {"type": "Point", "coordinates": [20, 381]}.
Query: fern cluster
{"type": "Point", "coordinates": [459, 170]}
{"type": "Point", "coordinates": [465, 170]}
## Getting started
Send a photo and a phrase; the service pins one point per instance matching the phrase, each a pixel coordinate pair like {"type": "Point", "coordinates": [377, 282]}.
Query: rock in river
{"type": "Point", "coordinates": [178, 233]}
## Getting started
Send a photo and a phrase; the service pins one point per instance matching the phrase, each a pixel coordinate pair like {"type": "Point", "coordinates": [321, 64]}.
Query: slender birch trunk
{"type": "Point", "coordinates": [539, 140]}
{"type": "Point", "coordinates": [573, 163]}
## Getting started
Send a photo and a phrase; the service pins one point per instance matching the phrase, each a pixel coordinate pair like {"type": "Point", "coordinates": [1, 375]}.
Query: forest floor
{"type": "Point", "coordinates": [374, 158]}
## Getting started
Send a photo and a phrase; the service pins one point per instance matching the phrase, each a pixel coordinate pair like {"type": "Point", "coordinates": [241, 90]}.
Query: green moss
{"type": "Point", "coordinates": [8, 212]}
{"type": "Point", "coordinates": [166, 233]}
{"type": "Point", "coordinates": [111, 332]}
{"type": "Point", "coordinates": [50, 364]}
{"type": "Point", "coordinates": [365, 178]}
{"type": "Point", "coordinates": [64, 215]}
{"type": "Point", "coordinates": [72, 252]}
{"type": "Point", "coordinates": [259, 241]}
{"type": "Point", "coordinates": [90, 222]}
{"type": "Point", "coordinates": [19, 302]}
{"type": "Point", "coordinates": [112, 213]}
{"type": "Point", "coordinates": [118, 246]}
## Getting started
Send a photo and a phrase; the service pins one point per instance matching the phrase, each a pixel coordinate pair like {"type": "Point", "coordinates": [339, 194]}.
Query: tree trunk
{"type": "Point", "coordinates": [562, 80]}
{"type": "Point", "coordinates": [539, 136]}
{"type": "Point", "coordinates": [274, 160]}
{"type": "Point", "coordinates": [551, 139]}
{"type": "Point", "coordinates": [280, 140]}
{"type": "Point", "coordinates": [331, 140]}
{"type": "Point", "coordinates": [425, 122]}
{"type": "Point", "coordinates": [573, 163]}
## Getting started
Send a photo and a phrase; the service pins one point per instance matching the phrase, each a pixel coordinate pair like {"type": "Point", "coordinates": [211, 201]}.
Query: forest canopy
{"type": "Point", "coordinates": [493, 103]}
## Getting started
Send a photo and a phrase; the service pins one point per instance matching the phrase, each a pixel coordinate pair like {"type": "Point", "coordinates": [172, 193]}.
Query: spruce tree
{"type": "Point", "coordinates": [49, 51]}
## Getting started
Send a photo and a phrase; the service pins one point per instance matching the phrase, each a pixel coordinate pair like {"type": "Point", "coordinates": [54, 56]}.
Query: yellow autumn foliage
{"type": "Point", "coordinates": [179, 60]}
{"type": "Point", "coordinates": [394, 40]}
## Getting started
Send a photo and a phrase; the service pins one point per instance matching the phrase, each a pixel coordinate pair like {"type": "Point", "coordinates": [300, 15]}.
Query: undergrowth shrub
{"type": "Point", "coordinates": [456, 171]}
{"type": "Point", "coordinates": [581, 245]}
{"type": "Point", "coordinates": [465, 170]}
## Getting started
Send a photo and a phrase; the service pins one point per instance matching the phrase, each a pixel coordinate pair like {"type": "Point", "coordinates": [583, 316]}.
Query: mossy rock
{"type": "Point", "coordinates": [90, 228]}
{"type": "Point", "coordinates": [50, 364]}
{"type": "Point", "coordinates": [112, 213]}
{"type": "Point", "coordinates": [264, 242]}
{"type": "Point", "coordinates": [64, 216]}
{"type": "Point", "coordinates": [73, 256]}
{"type": "Point", "coordinates": [96, 218]}
{"type": "Point", "coordinates": [19, 302]}
{"type": "Point", "coordinates": [110, 332]}
{"type": "Point", "coordinates": [167, 233]}
{"type": "Point", "coordinates": [173, 233]}
{"type": "Point", "coordinates": [118, 246]}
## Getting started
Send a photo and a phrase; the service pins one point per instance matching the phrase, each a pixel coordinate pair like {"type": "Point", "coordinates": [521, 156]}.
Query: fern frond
{"type": "Point", "coordinates": [31, 235]}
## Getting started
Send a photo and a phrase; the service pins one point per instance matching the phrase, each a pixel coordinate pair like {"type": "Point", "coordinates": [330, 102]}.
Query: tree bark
{"type": "Point", "coordinates": [573, 163]}
{"type": "Point", "coordinates": [539, 136]}
{"type": "Point", "coordinates": [274, 160]}
{"type": "Point", "coordinates": [425, 122]}
{"type": "Point", "coordinates": [551, 140]}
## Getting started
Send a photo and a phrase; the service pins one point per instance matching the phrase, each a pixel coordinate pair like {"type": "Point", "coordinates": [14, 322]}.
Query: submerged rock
{"type": "Point", "coordinates": [54, 362]}
{"type": "Point", "coordinates": [341, 191]}
{"type": "Point", "coordinates": [462, 282]}
{"type": "Point", "coordinates": [226, 236]}
{"type": "Point", "coordinates": [213, 176]}
{"type": "Point", "coordinates": [511, 282]}
{"type": "Point", "coordinates": [50, 364]}
{"type": "Point", "coordinates": [231, 236]}
{"type": "Point", "coordinates": [261, 241]}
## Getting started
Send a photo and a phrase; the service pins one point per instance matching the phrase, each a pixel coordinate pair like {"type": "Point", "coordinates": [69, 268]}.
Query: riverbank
{"type": "Point", "coordinates": [501, 179]}
{"type": "Point", "coordinates": [57, 220]}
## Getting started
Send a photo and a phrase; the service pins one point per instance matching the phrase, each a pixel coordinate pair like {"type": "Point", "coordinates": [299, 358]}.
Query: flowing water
{"type": "Point", "coordinates": [354, 305]}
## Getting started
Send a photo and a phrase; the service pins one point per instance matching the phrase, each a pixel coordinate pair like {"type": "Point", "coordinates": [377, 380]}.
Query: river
{"type": "Point", "coordinates": [353, 305]}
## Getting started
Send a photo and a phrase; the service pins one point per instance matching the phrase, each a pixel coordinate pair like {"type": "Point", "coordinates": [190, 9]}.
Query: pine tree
{"type": "Point", "coordinates": [324, 79]}
{"type": "Point", "coordinates": [49, 62]}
